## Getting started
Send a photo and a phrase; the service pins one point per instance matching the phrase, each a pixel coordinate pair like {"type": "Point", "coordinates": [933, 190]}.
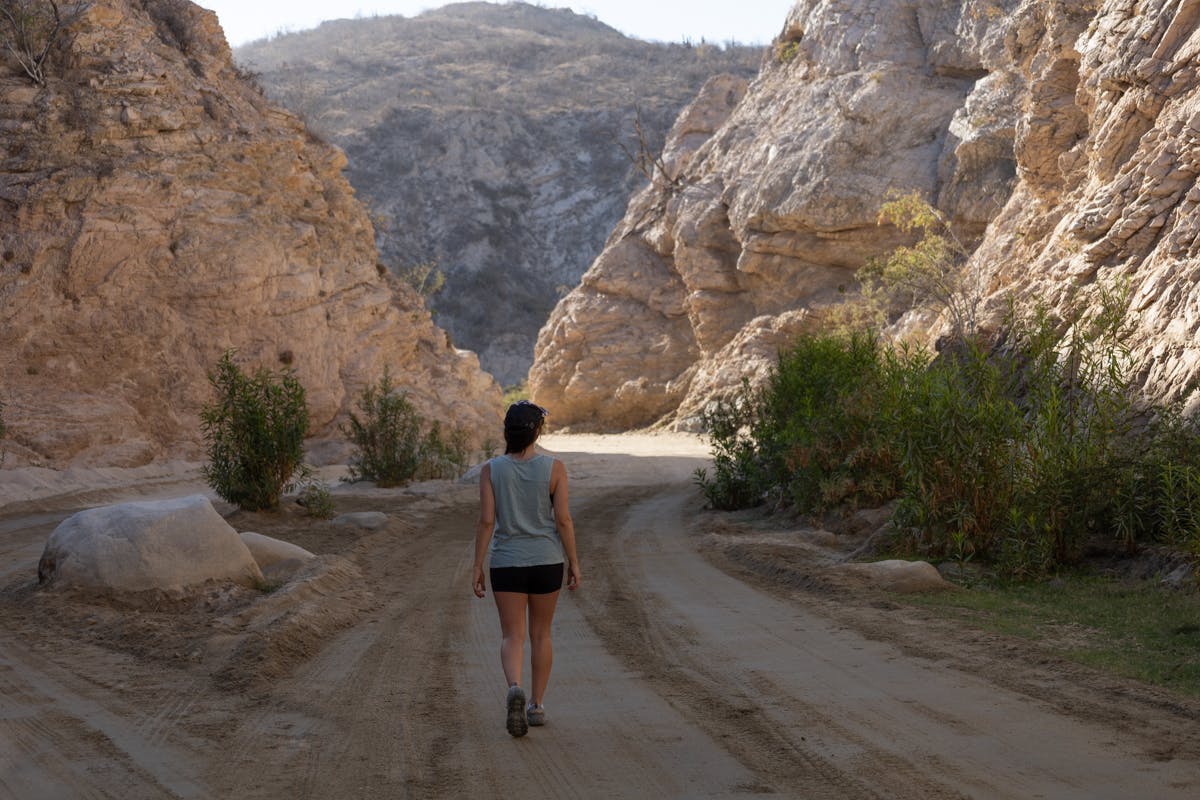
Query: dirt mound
{"type": "Point", "coordinates": [266, 640]}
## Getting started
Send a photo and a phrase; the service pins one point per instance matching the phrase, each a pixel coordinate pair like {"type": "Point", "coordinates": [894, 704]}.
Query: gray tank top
{"type": "Point", "coordinates": [525, 534]}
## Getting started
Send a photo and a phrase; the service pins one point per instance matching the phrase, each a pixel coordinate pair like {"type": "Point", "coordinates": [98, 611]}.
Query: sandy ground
{"type": "Point", "coordinates": [700, 658]}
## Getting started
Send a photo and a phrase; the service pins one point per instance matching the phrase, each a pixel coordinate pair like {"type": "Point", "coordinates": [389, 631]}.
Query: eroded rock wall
{"type": "Point", "coordinates": [158, 210]}
{"type": "Point", "coordinates": [1108, 146]}
{"type": "Point", "coordinates": [777, 198]}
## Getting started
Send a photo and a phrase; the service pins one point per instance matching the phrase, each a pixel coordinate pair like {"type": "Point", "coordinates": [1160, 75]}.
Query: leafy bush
{"type": "Point", "coordinates": [739, 480]}
{"type": "Point", "coordinates": [812, 437]}
{"type": "Point", "coordinates": [1018, 452]}
{"type": "Point", "coordinates": [393, 446]}
{"type": "Point", "coordinates": [316, 499]}
{"type": "Point", "coordinates": [518, 391]}
{"type": "Point", "coordinates": [427, 278]}
{"type": "Point", "coordinates": [786, 52]}
{"type": "Point", "coordinates": [255, 433]}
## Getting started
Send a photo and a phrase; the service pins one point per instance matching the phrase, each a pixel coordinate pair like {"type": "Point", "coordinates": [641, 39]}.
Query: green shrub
{"type": "Point", "coordinates": [1017, 452]}
{"type": "Point", "coordinates": [316, 499]}
{"type": "Point", "coordinates": [814, 437]}
{"type": "Point", "coordinates": [739, 480]}
{"type": "Point", "coordinates": [255, 434]}
{"type": "Point", "coordinates": [444, 454]}
{"type": "Point", "coordinates": [518, 391]}
{"type": "Point", "coordinates": [786, 52]}
{"type": "Point", "coordinates": [929, 274]}
{"type": "Point", "coordinates": [392, 445]}
{"type": "Point", "coordinates": [426, 278]}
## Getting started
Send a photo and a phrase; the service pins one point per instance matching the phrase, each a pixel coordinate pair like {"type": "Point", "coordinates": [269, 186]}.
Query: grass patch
{"type": "Point", "coordinates": [1136, 629]}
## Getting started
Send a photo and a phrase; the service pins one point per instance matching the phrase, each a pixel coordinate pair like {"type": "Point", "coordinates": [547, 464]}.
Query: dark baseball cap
{"type": "Point", "coordinates": [524, 414]}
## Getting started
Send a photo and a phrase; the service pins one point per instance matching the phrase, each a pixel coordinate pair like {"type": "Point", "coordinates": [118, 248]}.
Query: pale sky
{"type": "Point", "coordinates": [747, 21]}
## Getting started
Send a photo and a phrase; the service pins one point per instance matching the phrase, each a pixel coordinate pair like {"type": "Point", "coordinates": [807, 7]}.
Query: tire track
{"type": "Point", "coordinates": [618, 610]}
{"type": "Point", "coordinates": [360, 716]}
{"type": "Point", "coordinates": [859, 717]}
{"type": "Point", "coordinates": [85, 733]}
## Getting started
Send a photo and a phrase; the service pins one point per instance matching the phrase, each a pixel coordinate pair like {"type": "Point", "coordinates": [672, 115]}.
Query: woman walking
{"type": "Point", "coordinates": [524, 517]}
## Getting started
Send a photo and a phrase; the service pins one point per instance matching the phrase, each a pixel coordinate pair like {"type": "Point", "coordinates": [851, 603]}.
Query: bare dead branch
{"type": "Point", "coordinates": [643, 157]}
{"type": "Point", "coordinates": [31, 29]}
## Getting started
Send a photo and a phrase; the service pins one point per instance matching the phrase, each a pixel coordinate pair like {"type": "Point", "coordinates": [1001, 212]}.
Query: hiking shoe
{"type": "Point", "coordinates": [516, 723]}
{"type": "Point", "coordinates": [535, 714]}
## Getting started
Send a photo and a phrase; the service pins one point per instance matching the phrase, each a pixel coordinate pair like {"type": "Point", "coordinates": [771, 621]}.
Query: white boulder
{"type": "Point", "coordinates": [160, 545]}
{"type": "Point", "coordinates": [275, 557]}
{"type": "Point", "coordinates": [897, 575]}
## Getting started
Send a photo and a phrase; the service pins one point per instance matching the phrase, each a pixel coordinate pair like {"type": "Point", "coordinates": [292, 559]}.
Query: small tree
{"type": "Point", "coordinates": [30, 29]}
{"type": "Point", "coordinates": [392, 446]}
{"type": "Point", "coordinates": [931, 273]}
{"type": "Point", "coordinates": [387, 435]}
{"type": "Point", "coordinates": [255, 432]}
{"type": "Point", "coordinates": [426, 278]}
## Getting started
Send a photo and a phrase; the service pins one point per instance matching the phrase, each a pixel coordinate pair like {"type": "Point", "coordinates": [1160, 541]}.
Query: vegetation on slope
{"type": "Point", "coordinates": [1017, 448]}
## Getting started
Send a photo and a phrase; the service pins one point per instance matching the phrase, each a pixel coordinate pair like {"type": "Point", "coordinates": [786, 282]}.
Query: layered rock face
{"type": "Point", "coordinates": [1064, 133]}
{"type": "Point", "coordinates": [486, 138]}
{"type": "Point", "coordinates": [770, 203]}
{"type": "Point", "coordinates": [158, 210]}
{"type": "Point", "coordinates": [1108, 148]}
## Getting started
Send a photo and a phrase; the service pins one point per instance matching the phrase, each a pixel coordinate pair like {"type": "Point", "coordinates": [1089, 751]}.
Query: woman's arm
{"type": "Point", "coordinates": [487, 521]}
{"type": "Point", "coordinates": [562, 519]}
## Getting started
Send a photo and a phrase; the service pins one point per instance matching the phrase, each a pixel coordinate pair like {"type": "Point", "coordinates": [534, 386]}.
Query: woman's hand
{"type": "Point", "coordinates": [573, 576]}
{"type": "Point", "coordinates": [478, 582]}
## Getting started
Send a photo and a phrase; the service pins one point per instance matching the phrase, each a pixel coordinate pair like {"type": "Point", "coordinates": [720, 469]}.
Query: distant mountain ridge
{"type": "Point", "coordinates": [485, 138]}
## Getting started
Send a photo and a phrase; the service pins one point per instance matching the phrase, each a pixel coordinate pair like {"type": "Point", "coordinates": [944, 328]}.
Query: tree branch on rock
{"type": "Point", "coordinates": [642, 156]}
{"type": "Point", "coordinates": [30, 29]}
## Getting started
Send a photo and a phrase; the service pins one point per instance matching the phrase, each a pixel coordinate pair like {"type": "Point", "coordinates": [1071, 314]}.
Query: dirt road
{"type": "Point", "coordinates": [673, 678]}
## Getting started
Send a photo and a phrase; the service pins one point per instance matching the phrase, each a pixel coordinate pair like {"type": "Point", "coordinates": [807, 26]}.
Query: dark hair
{"type": "Point", "coordinates": [522, 423]}
{"type": "Point", "coordinates": [517, 439]}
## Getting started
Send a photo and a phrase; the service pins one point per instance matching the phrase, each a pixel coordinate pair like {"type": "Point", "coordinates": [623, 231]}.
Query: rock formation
{"type": "Point", "coordinates": [158, 210]}
{"type": "Point", "coordinates": [1108, 152]}
{"type": "Point", "coordinates": [485, 136]}
{"type": "Point", "coordinates": [276, 558]}
{"type": "Point", "coordinates": [167, 546]}
{"type": "Point", "coordinates": [1060, 136]}
{"type": "Point", "coordinates": [770, 203]}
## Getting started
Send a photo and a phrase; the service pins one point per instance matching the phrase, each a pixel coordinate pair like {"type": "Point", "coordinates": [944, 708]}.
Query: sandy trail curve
{"type": "Point", "coordinates": [672, 679]}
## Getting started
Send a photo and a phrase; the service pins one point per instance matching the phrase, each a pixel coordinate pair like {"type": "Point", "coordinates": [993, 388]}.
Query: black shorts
{"type": "Point", "coordinates": [540, 579]}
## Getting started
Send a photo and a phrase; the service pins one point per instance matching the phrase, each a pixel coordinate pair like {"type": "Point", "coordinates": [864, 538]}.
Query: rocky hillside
{"type": "Point", "coordinates": [1057, 136]}
{"type": "Point", "coordinates": [485, 139]}
{"type": "Point", "coordinates": [158, 210]}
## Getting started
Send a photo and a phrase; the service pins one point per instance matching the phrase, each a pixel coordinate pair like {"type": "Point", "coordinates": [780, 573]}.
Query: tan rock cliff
{"type": "Point", "coordinates": [780, 191]}
{"type": "Point", "coordinates": [156, 210]}
{"type": "Point", "coordinates": [1095, 104]}
{"type": "Point", "coordinates": [1108, 148]}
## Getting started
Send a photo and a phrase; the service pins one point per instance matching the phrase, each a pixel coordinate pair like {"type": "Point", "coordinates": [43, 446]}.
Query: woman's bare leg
{"type": "Point", "coordinates": [511, 606]}
{"type": "Point", "coordinates": [541, 651]}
